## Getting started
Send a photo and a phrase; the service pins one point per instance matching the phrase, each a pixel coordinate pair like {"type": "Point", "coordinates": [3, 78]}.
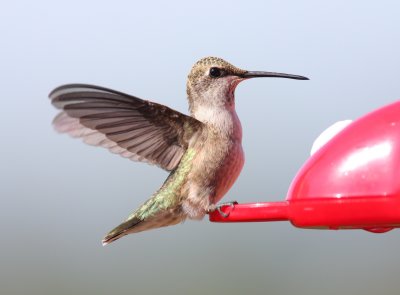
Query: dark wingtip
{"type": "Point", "coordinates": [61, 87]}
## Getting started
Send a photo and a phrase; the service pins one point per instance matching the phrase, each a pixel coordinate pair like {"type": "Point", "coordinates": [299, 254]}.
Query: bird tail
{"type": "Point", "coordinates": [121, 230]}
{"type": "Point", "coordinates": [135, 223]}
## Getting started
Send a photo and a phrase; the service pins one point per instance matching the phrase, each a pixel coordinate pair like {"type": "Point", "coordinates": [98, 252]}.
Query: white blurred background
{"type": "Point", "coordinates": [59, 196]}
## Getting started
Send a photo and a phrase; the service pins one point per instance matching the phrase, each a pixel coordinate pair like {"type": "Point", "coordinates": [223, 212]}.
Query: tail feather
{"type": "Point", "coordinates": [135, 224]}
{"type": "Point", "coordinates": [120, 231]}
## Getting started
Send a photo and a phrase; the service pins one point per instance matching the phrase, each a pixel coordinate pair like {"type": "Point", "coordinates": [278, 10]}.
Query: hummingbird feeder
{"type": "Point", "coordinates": [352, 182]}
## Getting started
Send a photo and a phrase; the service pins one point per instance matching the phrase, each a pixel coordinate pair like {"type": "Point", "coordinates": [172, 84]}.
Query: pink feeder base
{"type": "Point", "coordinates": [352, 182]}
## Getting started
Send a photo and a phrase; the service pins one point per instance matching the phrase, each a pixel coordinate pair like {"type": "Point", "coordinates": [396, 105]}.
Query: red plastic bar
{"type": "Point", "coordinates": [252, 212]}
{"type": "Point", "coordinates": [375, 214]}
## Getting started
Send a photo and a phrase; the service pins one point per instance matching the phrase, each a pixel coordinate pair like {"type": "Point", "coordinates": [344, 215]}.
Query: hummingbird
{"type": "Point", "coordinates": [202, 151]}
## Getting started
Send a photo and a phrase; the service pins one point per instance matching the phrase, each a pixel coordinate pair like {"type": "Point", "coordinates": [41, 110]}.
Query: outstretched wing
{"type": "Point", "coordinates": [132, 127]}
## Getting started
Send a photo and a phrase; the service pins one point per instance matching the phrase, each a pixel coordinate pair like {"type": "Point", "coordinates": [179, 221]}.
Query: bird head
{"type": "Point", "coordinates": [212, 82]}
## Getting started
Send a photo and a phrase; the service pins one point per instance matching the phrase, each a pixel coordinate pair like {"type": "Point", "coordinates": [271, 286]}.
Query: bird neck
{"type": "Point", "coordinates": [222, 119]}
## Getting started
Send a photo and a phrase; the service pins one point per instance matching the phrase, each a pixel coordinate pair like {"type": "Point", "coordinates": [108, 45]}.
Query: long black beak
{"type": "Point", "coordinates": [257, 74]}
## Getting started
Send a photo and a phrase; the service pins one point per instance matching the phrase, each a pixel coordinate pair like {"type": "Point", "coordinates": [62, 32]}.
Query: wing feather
{"type": "Point", "coordinates": [126, 125]}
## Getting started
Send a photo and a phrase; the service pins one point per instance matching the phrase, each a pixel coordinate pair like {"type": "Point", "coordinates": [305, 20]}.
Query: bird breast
{"type": "Point", "coordinates": [219, 158]}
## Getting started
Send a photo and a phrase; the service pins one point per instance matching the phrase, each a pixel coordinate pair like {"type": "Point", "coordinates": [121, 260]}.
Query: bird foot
{"type": "Point", "coordinates": [219, 206]}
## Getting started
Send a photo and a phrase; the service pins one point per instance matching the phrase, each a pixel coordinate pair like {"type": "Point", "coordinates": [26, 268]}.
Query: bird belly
{"type": "Point", "coordinates": [214, 172]}
{"type": "Point", "coordinates": [228, 172]}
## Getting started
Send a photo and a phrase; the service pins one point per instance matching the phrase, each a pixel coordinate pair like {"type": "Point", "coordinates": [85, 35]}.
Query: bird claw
{"type": "Point", "coordinates": [223, 214]}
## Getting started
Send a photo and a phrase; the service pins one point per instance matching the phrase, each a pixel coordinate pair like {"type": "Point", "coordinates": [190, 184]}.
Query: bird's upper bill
{"type": "Point", "coordinates": [258, 74]}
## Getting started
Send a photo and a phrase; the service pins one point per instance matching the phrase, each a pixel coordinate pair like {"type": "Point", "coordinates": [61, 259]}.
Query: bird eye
{"type": "Point", "coordinates": [215, 72]}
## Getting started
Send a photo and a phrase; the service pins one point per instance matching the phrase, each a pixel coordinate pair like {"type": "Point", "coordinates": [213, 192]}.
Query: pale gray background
{"type": "Point", "coordinates": [59, 196]}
